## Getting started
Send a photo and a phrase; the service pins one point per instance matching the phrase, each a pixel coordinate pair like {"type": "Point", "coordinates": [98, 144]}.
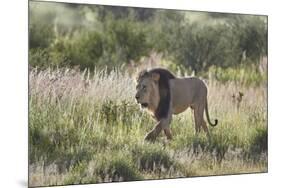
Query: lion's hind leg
{"type": "Point", "coordinates": [199, 120]}
{"type": "Point", "coordinates": [205, 128]}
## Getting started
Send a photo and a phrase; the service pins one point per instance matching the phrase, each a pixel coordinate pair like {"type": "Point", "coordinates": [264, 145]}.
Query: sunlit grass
{"type": "Point", "coordinates": [86, 128]}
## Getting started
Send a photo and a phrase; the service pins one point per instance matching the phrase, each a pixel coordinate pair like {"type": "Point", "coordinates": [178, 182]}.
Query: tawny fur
{"type": "Point", "coordinates": [184, 93]}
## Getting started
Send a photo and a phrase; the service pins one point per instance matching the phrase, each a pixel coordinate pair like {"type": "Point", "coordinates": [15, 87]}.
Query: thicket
{"type": "Point", "coordinates": [91, 36]}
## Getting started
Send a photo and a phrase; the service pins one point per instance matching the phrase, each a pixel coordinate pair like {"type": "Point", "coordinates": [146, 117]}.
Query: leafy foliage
{"type": "Point", "coordinates": [92, 36]}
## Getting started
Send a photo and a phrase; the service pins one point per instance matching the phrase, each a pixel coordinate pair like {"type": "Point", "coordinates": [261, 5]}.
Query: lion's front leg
{"type": "Point", "coordinates": [168, 133]}
{"type": "Point", "coordinates": [151, 136]}
{"type": "Point", "coordinates": [162, 124]}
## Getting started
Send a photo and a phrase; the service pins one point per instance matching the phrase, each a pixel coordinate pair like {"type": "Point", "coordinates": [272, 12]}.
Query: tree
{"type": "Point", "coordinates": [251, 35]}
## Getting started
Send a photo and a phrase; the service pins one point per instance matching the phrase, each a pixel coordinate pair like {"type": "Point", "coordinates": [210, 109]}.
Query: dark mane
{"type": "Point", "coordinates": [164, 91]}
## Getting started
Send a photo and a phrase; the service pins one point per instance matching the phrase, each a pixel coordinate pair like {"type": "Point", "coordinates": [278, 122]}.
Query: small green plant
{"type": "Point", "coordinates": [151, 157]}
{"type": "Point", "coordinates": [117, 167]}
{"type": "Point", "coordinates": [259, 141]}
{"type": "Point", "coordinates": [244, 75]}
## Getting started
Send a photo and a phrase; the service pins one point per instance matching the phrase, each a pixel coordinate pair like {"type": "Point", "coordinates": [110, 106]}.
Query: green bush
{"type": "Point", "coordinates": [44, 58]}
{"type": "Point", "coordinates": [41, 35]}
{"type": "Point", "coordinates": [200, 47]}
{"type": "Point", "coordinates": [85, 49]}
{"type": "Point", "coordinates": [39, 58]}
{"type": "Point", "coordinates": [128, 37]}
{"type": "Point", "coordinates": [118, 113]}
{"type": "Point", "coordinates": [121, 42]}
{"type": "Point", "coordinates": [104, 36]}
{"type": "Point", "coordinates": [115, 167]}
{"type": "Point", "coordinates": [245, 75]}
{"type": "Point", "coordinates": [78, 174]}
{"type": "Point", "coordinates": [259, 141]}
{"type": "Point", "coordinates": [227, 42]}
{"type": "Point", "coordinates": [151, 158]}
{"type": "Point", "coordinates": [250, 35]}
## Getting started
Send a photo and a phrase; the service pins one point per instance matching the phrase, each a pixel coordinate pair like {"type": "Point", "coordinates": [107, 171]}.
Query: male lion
{"type": "Point", "coordinates": [163, 94]}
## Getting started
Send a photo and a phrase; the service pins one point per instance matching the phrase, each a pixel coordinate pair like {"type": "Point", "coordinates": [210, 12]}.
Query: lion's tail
{"type": "Point", "coordinates": [208, 117]}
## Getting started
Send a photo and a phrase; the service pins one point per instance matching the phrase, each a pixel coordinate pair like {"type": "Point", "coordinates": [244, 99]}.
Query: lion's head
{"type": "Point", "coordinates": [153, 91]}
{"type": "Point", "coordinates": [147, 90]}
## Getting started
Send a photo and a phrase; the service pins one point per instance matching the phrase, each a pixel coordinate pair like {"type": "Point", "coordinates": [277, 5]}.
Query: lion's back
{"type": "Point", "coordinates": [185, 91]}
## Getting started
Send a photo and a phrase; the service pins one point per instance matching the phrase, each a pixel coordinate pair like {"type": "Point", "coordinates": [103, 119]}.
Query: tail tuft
{"type": "Point", "coordinates": [216, 122]}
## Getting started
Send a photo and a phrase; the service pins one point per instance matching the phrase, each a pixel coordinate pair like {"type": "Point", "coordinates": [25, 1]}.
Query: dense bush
{"type": "Point", "coordinates": [199, 47]}
{"type": "Point", "coordinates": [228, 43]}
{"type": "Point", "coordinates": [151, 158]}
{"type": "Point", "coordinates": [40, 35]}
{"type": "Point", "coordinates": [93, 36]}
{"type": "Point", "coordinates": [116, 167]}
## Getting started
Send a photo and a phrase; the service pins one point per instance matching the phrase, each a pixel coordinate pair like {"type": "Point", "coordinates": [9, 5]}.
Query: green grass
{"type": "Point", "coordinates": [86, 128]}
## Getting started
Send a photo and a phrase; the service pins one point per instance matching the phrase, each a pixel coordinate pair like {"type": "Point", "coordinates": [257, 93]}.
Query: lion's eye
{"type": "Point", "coordinates": [143, 87]}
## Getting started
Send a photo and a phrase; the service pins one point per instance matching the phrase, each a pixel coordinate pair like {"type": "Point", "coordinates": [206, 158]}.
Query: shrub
{"type": "Point", "coordinates": [118, 113]}
{"type": "Point", "coordinates": [40, 35]}
{"type": "Point", "coordinates": [85, 49]}
{"type": "Point", "coordinates": [78, 174]}
{"type": "Point", "coordinates": [39, 58]}
{"type": "Point", "coordinates": [259, 142]}
{"type": "Point", "coordinates": [115, 166]}
{"type": "Point", "coordinates": [244, 75]}
{"type": "Point", "coordinates": [151, 158]}
{"type": "Point", "coordinates": [128, 37]}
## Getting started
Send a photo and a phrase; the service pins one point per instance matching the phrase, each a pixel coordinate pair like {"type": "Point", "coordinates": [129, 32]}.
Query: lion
{"type": "Point", "coordinates": [164, 95]}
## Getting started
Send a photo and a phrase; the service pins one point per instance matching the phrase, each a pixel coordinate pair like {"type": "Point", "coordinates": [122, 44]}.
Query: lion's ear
{"type": "Point", "coordinates": [138, 75]}
{"type": "Point", "coordinates": [155, 76]}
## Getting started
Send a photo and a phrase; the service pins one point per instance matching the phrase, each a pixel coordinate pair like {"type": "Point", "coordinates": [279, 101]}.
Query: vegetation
{"type": "Point", "coordinates": [86, 128]}
{"type": "Point", "coordinates": [91, 36]}
{"type": "Point", "coordinates": [84, 125]}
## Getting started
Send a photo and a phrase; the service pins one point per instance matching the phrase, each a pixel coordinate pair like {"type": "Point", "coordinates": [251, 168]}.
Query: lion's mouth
{"type": "Point", "coordinates": [144, 105]}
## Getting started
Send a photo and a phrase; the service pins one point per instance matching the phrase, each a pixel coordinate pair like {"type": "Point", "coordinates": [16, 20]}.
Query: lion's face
{"type": "Point", "coordinates": [147, 94]}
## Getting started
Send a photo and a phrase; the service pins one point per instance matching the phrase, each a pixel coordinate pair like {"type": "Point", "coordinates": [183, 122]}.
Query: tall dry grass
{"type": "Point", "coordinates": [84, 127]}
